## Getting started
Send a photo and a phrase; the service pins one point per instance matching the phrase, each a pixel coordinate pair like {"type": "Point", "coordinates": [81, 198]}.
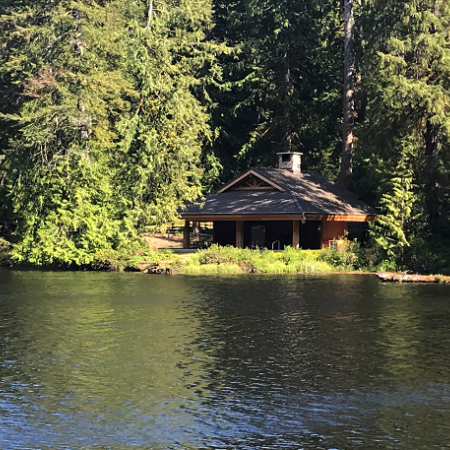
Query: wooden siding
{"type": "Point", "coordinates": [332, 230]}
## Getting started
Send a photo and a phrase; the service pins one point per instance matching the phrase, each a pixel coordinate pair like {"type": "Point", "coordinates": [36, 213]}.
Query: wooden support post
{"type": "Point", "coordinates": [187, 234]}
{"type": "Point", "coordinates": [196, 228]}
{"type": "Point", "coordinates": [295, 234]}
{"type": "Point", "coordinates": [239, 234]}
{"type": "Point", "coordinates": [214, 238]}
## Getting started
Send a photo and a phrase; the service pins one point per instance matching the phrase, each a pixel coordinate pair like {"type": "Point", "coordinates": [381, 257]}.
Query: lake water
{"type": "Point", "coordinates": [131, 361]}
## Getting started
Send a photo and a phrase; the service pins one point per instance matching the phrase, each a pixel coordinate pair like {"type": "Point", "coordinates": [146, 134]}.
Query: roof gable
{"type": "Point", "coordinates": [251, 180]}
{"type": "Point", "coordinates": [279, 191]}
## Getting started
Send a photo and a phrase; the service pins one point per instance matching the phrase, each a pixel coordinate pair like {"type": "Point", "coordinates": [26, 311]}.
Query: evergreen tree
{"type": "Point", "coordinates": [170, 61]}
{"type": "Point", "coordinates": [106, 133]}
{"type": "Point", "coordinates": [283, 90]}
{"type": "Point", "coordinates": [405, 78]}
{"type": "Point", "coordinates": [66, 57]}
{"type": "Point", "coordinates": [402, 218]}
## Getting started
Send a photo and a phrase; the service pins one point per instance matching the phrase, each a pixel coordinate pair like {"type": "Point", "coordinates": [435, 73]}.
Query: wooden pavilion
{"type": "Point", "coordinates": [274, 208]}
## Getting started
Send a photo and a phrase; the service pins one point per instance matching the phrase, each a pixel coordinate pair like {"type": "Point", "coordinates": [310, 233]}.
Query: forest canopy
{"type": "Point", "coordinates": [115, 113]}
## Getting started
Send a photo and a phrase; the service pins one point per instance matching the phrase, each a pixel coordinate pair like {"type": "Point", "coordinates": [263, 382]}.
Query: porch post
{"type": "Point", "coordinates": [324, 234]}
{"type": "Point", "coordinates": [239, 234]}
{"type": "Point", "coordinates": [295, 234]}
{"type": "Point", "coordinates": [196, 228]}
{"type": "Point", "coordinates": [187, 235]}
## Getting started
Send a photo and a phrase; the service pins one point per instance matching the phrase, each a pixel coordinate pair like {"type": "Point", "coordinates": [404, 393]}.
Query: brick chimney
{"type": "Point", "coordinates": [291, 161]}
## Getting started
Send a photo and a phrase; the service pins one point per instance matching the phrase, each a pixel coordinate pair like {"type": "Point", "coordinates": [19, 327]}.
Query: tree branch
{"type": "Point", "coordinates": [150, 14]}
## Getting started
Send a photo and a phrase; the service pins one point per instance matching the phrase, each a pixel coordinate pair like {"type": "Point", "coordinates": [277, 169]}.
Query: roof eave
{"type": "Point", "coordinates": [208, 217]}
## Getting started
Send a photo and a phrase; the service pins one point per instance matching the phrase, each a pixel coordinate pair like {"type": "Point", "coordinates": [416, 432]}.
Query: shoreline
{"type": "Point", "coordinates": [396, 277]}
{"type": "Point", "coordinates": [384, 277]}
{"type": "Point", "coordinates": [220, 261]}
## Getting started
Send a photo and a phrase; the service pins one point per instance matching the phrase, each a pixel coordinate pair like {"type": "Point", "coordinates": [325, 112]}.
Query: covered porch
{"type": "Point", "coordinates": [275, 232]}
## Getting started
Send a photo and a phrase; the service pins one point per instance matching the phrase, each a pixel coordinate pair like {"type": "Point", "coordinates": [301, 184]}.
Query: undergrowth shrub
{"type": "Point", "coordinates": [420, 258]}
{"type": "Point", "coordinates": [5, 249]}
{"type": "Point", "coordinates": [243, 258]}
{"type": "Point", "coordinates": [290, 261]}
{"type": "Point", "coordinates": [131, 256]}
{"type": "Point", "coordinates": [343, 256]}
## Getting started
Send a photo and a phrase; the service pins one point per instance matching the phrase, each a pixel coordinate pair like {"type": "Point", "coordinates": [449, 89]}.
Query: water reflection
{"type": "Point", "coordinates": [130, 361]}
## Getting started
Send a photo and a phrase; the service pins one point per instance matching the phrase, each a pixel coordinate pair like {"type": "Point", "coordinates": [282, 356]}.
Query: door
{"type": "Point", "coordinates": [258, 236]}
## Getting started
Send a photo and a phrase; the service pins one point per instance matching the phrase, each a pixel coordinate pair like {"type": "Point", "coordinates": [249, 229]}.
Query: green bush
{"type": "Point", "coordinates": [290, 261]}
{"type": "Point", "coordinates": [419, 257]}
{"type": "Point", "coordinates": [313, 266]}
{"type": "Point", "coordinates": [346, 256]}
{"type": "Point", "coordinates": [5, 246]}
{"type": "Point", "coordinates": [131, 256]}
{"type": "Point", "coordinates": [228, 255]}
{"type": "Point", "coordinates": [5, 249]}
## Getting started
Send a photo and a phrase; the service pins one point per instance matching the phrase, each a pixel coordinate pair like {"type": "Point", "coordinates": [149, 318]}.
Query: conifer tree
{"type": "Point", "coordinates": [284, 91]}
{"type": "Point", "coordinates": [66, 58]}
{"type": "Point", "coordinates": [406, 78]}
{"type": "Point", "coordinates": [104, 131]}
{"type": "Point", "coordinates": [401, 205]}
{"type": "Point", "coordinates": [169, 61]}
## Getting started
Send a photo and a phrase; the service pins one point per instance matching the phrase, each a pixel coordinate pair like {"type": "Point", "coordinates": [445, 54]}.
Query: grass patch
{"type": "Point", "coordinates": [211, 269]}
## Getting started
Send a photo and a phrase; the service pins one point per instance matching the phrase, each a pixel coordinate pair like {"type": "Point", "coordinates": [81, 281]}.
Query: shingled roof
{"type": "Point", "coordinates": [303, 193]}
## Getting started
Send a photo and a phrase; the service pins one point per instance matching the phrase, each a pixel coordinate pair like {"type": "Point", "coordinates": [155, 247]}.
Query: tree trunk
{"type": "Point", "coordinates": [432, 171]}
{"type": "Point", "coordinates": [349, 105]}
{"type": "Point", "coordinates": [431, 140]}
{"type": "Point", "coordinates": [287, 90]}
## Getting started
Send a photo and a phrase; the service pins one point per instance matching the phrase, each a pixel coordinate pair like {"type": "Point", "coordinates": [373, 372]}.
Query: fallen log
{"type": "Point", "coordinates": [405, 277]}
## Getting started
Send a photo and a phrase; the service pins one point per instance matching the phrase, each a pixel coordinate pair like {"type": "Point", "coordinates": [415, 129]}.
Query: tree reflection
{"type": "Point", "coordinates": [114, 360]}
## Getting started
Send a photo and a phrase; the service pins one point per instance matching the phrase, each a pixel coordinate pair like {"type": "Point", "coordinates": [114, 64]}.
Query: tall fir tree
{"type": "Point", "coordinates": [172, 64]}
{"type": "Point", "coordinates": [283, 92]}
{"type": "Point", "coordinates": [405, 92]}
{"type": "Point", "coordinates": [402, 219]}
{"type": "Point", "coordinates": [104, 132]}
{"type": "Point", "coordinates": [66, 58]}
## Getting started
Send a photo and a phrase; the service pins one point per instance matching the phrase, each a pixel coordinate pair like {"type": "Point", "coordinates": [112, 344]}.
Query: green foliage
{"type": "Point", "coordinates": [421, 257]}
{"type": "Point", "coordinates": [404, 115]}
{"type": "Point", "coordinates": [5, 246]}
{"type": "Point", "coordinates": [402, 214]}
{"type": "Point", "coordinates": [346, 256]}
{"type": "Point", "coordinates": [133, 256]}
{"type": "Point", "coordinates": [227, 255]}
{"type": "Point", "coordinates": [111, 120]}
{"type": "Point", "coordinates": [212, 269]}
{"type": "Point", "coordinates": [161, 145]}
{"type": "Point", "coordinates": [282, 83]}
{"type": "Point", "coordinates": [290, 261]}
{"type": "Point", "coordinates": [5, 251]}
{"type": "Point", "coordinates": [102, 131]}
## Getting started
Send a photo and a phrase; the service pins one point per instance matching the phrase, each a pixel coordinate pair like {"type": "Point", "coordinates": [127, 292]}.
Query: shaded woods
{"type": "Point", "coordinates": [115, 113]}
